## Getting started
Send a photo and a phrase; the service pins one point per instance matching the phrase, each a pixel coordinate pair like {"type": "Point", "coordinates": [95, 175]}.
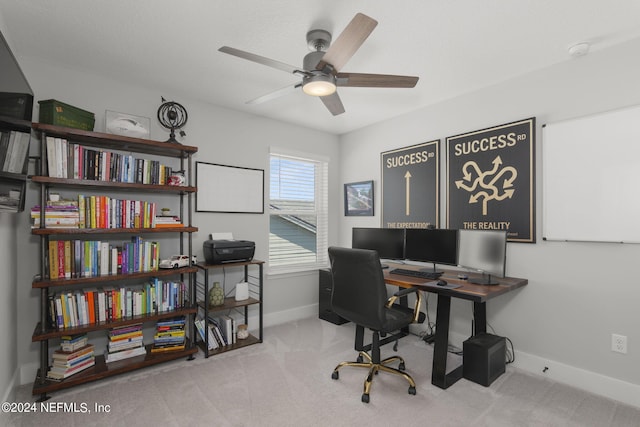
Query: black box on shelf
{"type": "Point", "coordinates": [16, 105]}
{"type": "Point", "coordinates": [224, 251]}
{"type": "Point", "coordinates": [483, 358]}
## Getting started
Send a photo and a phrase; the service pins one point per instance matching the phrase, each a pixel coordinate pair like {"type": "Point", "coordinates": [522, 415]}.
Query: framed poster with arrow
{"type": "Point", "coordinates": [410, 186]}
{"type": "Point", "coordinates": [490, 180]}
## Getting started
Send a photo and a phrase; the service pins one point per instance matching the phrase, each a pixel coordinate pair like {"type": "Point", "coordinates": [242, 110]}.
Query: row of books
{"type": "Point", "coordinates": [14, 150]}
{"type": "Point", "coordinates": [75, 355]}
{"type": "Point", "coordinates": [97, 212]}
{"type": "Point", "coordinates": [221, 332]}
{"type": "Point", "coordinates": [75, 161]}
{"type": "Point", "coordinates": [169, 336]}
{"type": "Point", "coordinates": [90, 258]}
{"type": "Point", "coordinates": [124, 342]}
{"type": "Point", "coordinates": [70, 309]}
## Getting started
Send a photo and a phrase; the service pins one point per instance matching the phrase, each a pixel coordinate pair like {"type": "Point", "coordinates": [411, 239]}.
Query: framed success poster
{"type": "Point", "coordinates": [410, 186]}
{"type": "Point", "coordinates": [490, 180]}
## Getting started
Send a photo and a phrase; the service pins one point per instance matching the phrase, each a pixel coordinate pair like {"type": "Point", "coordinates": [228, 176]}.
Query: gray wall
{"type": "Point", "coordinates": [578, 293]}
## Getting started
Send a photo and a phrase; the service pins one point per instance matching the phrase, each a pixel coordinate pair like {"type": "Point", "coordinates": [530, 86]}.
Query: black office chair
{"type": "Point", "coordinates": [360, 296]}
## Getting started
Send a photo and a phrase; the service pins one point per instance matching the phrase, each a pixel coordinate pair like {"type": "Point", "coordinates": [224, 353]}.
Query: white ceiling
{"type": "Point", "coordinates": [454, 46]}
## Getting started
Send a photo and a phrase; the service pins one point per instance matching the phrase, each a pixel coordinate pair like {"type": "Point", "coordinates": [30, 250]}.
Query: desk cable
{"type": "Point", "coordinates": [510, 353]}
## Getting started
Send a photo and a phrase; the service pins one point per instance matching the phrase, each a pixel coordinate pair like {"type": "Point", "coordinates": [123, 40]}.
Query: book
{"type": "Point", "coordinates": [61, 373]}
{"type": "Point", "coordinates": [70, 355]}
{"type": "Point", "coordinates": [124, 354]}
{"type": "Point", "coordinates": [165, 349]}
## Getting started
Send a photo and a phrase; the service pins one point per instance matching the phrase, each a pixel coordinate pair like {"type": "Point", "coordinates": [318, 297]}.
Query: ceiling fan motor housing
{"type": "Point", "coordinates": [318, 40]}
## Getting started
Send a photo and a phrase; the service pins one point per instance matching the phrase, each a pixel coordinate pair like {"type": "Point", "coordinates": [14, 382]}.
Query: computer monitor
{"type": "Point", "coordinates": [484, 251]}
{"type": "Point", "coordinates": [388, 242]}
{"type": "Point", "coordinates": [439, 246]}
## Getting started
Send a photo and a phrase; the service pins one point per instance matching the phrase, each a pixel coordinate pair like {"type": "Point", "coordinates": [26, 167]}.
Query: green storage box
{"type": "Point", "coordinates": [58, 113]}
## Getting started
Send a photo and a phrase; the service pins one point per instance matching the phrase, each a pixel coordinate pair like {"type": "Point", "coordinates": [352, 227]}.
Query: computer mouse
{"type": "Point", "coordinates": [442, 282]}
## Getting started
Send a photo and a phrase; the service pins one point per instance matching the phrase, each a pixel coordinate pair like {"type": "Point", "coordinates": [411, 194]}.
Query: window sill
{"type": "Point", "coordinates": [292, 272]}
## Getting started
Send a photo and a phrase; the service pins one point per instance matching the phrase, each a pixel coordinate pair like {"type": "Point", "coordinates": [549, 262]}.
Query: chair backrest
{"type": "Point", "coordinates": [359, 291]}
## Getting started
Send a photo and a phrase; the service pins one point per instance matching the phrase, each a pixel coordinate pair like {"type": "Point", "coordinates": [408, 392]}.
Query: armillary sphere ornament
{"type": "Point", "coordinates": [172, 116]}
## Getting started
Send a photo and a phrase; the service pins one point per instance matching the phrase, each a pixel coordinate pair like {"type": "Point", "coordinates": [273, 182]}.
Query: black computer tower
{"type": "Point", "coordinates": [483, 358]}
{"type": "Point", "coordinates": [324, 299]}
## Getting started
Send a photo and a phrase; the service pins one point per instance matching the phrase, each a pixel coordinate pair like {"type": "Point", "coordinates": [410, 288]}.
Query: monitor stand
{"type": "Point", "coordinates": [432, 271]}
{"type": "Point", "coordinates": [486, 279]}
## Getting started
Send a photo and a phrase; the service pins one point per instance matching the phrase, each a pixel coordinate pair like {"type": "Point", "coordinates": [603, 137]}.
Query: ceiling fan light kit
{"type": "Point", "coordinates": [319, 85]}
{"type": "Point", "coordinates": [320, 71]}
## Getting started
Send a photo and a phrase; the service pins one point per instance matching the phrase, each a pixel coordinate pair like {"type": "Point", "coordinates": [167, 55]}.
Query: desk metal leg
{"type": "Point", "coordinates": [439, 376]}
{"type": "Point", "coordinates": [480, 318]}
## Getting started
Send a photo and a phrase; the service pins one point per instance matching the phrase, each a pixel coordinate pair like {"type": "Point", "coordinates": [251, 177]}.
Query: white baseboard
{"type": "Point", "coordinates": [586, 380]}
{"type": "Point", "coordinates": [10, 393]}
{"type": "Point", "coordinates": [290, 315]}
{"type": "Point", "coordinates": [592, 382]}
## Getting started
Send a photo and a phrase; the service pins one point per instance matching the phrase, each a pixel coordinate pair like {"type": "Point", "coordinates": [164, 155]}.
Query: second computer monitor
{"type": "Point", "coordinates": [388, 242]}
{"type": "Point", "coordinates": [484, 251]}
{"type": "Point", "coordinates": [438, 246]}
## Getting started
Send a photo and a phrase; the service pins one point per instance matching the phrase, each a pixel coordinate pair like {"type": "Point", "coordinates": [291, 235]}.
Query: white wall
{"type": "Point", "coordinates": [223, 136]}
{"type": "Point", "coordinates": [578, 293]}
{"type": "Point", "coordinates": [8, 290]}
{"type": "Point", "coordinates": [8, 306]}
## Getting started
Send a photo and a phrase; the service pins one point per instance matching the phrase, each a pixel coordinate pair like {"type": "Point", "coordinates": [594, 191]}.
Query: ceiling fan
{"type": "Point", "coordinates": [321, 68]}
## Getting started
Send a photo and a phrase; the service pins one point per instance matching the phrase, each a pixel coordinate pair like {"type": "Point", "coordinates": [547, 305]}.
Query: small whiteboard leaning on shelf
{"type": "Point", "coordinates": [230, 189]}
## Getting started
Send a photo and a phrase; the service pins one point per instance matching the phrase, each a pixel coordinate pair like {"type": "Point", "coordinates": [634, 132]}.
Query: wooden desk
{"type": "Point", "coordinates": [478, 294]}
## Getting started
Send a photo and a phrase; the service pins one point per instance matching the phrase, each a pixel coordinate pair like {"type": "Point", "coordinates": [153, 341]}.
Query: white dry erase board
{"type": "Point", "coordinates": [591, 178]}
{"type": "Point", "coordinates": [229, 189]}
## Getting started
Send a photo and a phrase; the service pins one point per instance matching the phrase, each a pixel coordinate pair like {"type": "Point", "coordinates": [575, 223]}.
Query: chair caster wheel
{"type": "Point", "coordinates": [365, 398]}
{"type": "Point", "coordinates": [401, 366]}
{"type": "Point", "coordinates": [395, 346]}
{"type": "Point", "coordinates": [412, 390]}
{"type": "Point", "coordinates": [359, 359]}
{"type": "Point", "coordinates": [335, 375]}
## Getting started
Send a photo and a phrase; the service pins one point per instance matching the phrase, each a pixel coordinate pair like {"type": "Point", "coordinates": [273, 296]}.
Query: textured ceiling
{"type": "Point", "coordinates": [454, 46]}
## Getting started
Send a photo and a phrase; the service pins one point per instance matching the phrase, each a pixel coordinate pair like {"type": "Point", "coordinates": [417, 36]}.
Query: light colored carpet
{"type": "Point", "coordinates": [286, 381]}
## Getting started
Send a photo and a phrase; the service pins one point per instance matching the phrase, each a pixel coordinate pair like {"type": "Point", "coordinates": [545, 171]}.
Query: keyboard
{"type": "Point", "coordinates": [416, 273]}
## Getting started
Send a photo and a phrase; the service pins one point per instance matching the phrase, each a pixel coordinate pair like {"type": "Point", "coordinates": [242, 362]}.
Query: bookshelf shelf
{"type": "Point", "coordinates": [231, 305]}
{"type": "Point", "coordinates": [51, 283]}
{"type": "Point", "coordinates": [52, 287]}
{"type": "Point", "coordinates": [77, 231]}
{"type": "Point", "coordinates": [102, 370]}
{"type": "Point", "coordinates": [50, 333]}
{"type": "Point", "coordinates": [66, 182]}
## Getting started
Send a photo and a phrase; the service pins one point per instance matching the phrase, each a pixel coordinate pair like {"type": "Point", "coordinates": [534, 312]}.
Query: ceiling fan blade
{"type": "Point", "coordinates": [333, 103]}
{"type": "Point", "coordinates": [275, 94]}
{"type": "Point", "coordinates": [260, 59]}
{"type": "Point", "coordinates": [348, 42]}
{"type": "Point", "coordinates": [375, 80]}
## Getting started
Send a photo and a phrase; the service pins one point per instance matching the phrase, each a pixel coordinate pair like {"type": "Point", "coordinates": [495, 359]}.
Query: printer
{"type": "Point", "coordinates": [219, 251]}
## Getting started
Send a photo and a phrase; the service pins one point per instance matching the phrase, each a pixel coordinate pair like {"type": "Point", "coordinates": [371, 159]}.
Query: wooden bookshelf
{"type": "Point", "coordinates": [230, 304]}
{"type": "Point", "coordinates": [43, 332]}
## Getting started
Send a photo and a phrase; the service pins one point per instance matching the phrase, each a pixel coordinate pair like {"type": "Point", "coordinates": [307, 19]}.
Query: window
{"type": "Point", "coordinates": [298, 213]}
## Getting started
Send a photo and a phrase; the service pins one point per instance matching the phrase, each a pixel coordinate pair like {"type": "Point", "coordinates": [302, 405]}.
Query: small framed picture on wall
{"type": "Point", "coordinates": [358, 198]}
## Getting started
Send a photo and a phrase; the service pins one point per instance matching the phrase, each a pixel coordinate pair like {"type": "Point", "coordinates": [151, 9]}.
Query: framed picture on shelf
{"type": "Point", "coordinates": [358, 198]}
{"type": "Point", "coordinates": [127, 124]}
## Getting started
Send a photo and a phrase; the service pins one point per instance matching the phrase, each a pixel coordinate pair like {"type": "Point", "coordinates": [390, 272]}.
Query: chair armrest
{"type": "Point", "coordinates": [404, 292]}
